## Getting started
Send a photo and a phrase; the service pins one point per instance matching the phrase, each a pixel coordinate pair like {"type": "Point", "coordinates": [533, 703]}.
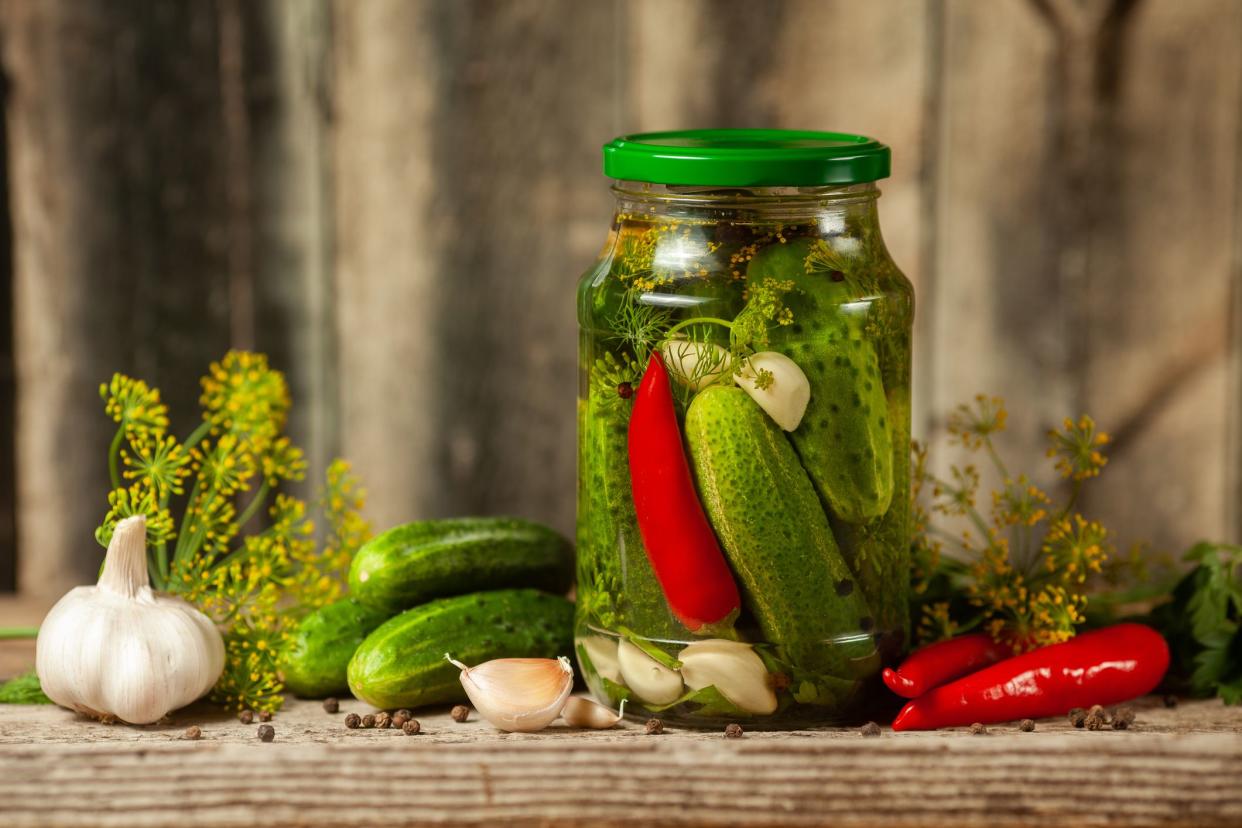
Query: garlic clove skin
{"type": "Point", "coordinates": [786, 397]}
{"type": "Point", "coordinates": [519, 695]}
{"type": "Point", "coordinates": [120, 650]}
{"type": "Point", "coordinates": [650, 680]}
{"type": "Point", "coordinates": [734, 668]}
{"type": "Point", "coordinates": [695, 364]}
{"type": "Point", "coordinates": [603, 654]}
{"type": "Point", "coordinates": [580, 712]}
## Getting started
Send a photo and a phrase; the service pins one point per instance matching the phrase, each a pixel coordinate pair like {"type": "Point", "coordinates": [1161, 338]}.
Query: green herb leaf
{"type": "Point", "coordinates": [1230, 691]}
{"type": "Point", "coordinates": [710, 701]}
{"type": "Point", "coordinates": [25, 689]}
{"type": "Point", "coordinates": [650, 649]}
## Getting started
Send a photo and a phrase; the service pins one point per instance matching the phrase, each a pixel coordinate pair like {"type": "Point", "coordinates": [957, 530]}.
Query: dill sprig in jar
{"type": "Point", "coordinates": [744, 431]}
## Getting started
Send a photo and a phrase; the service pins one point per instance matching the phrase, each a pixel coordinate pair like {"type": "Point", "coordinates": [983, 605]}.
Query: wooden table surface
{"type": "Point", "coordinates": [1180, 766]}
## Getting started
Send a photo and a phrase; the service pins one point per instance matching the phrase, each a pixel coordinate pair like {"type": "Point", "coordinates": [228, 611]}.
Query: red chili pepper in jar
{"type": "Point", "coordinates": [681, 546]}
{"type": "Point", "coordinates": [942, 662]}
{"type": "Point", "coordinates": [1102, 667]}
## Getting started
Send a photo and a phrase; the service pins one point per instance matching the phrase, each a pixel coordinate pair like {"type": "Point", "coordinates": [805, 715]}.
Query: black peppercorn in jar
{"type": "Point", "coordinates": [744, 431]}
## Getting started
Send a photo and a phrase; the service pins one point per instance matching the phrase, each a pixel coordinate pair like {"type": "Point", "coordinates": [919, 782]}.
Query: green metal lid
{"type": "Point", "coordinates": [746, 158]}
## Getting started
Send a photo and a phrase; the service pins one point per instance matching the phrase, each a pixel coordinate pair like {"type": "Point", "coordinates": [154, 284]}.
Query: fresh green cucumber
{"type": "Point", "coordinates": [313, 664]}
{"type": "Point", "coordinates": [401, 663]}
{"type": "Point", "coordinates": [775, 533]}
{"type": "Point", "coordinates": [843, 440]}
{"type": "Point", "coordinates": [426, 559]}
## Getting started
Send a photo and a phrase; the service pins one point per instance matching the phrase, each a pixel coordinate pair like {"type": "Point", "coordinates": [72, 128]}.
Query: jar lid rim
{"type": "Point", "coordinates": [747, 158]}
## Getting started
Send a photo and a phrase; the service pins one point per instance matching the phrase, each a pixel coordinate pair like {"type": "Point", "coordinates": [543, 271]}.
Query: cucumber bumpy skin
{"type": "Point", "coordinates": [416, 562]}
{"type": "Point", "coordinates": [401, 663]}
{"type": "Point", "coordinates": [879, 551]}
{"type": "Point", "coordinates": [776, 535]}
{"type": "Point", "coordinates": [314, 662]}
{"type": "Point", "coordinates": [843, 439]}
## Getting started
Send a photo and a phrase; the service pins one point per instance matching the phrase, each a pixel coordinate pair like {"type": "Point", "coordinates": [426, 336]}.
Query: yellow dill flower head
{"type": "Point", "coordinates": [823, 258]}
{"type": "Point", "coordinates": [1078, 448]}
{"type": "Point", "coordinates": [1076, 548]}
{"type": "Point", "coordinates": [225, 465]}
{"type": "Point", "coordinates": [288, 516]}
{"type": "Point", "coordinates": [134, 405]}
{"type": "Point", "coordinates": [765, 304]}
{"type": "Point", "coordinates": [243, 396]}
{"type": "Point", "coordinates": [283, 461]}
{"type": "Point", "coordinates": [250, 679]}
{"type": "Point", "coordinates": [212, 518]}
{"type": "Point", "coordinates": [957, 497]}
{"type": "Point", "coordinates": [138, 499]}
{"type": "Point", "coordinates": [1019, 503]}
{"type": "Point", "coordinates": [158, 461]}
{"type": "Point", "coordinates": [936, 623]}
{"type": "Point", "coordinates": [973, 425]}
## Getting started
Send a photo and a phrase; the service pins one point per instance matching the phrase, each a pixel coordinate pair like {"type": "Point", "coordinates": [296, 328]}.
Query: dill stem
{"type": "Point", "coordinates": [949, 536]}
{"type": "Point", "coordinates": [161, 565]}
{"type": "Point", "coordinates": [969, 511]}
{"type": "Point", "coordinates": [184, 546]}
{"type": "Point", "coordinates": [698, 320]}
{"type": "Point", "coordinates": [196, 436]}
{"type": "Point", "coordinates": [254, 505]}
{"type": "Point", "coordinates": [1075, 491]}
{"type": "Point", "coordinates": [13, 633]}
{"type": "Point", "coordinates": [161, 555]}
{"type": "Point", "coordinates": [1000, 464]}
{"type": "Point", "coordinates": [238, 554]}
{"type": "Point", "coordinates": [182, 543]}
{"type": "Point", "coordinates": [114, 452]}
{"type": "Point", "coordinates": [980, 524]}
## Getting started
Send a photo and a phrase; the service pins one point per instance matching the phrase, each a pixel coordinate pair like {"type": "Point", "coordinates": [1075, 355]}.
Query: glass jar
{"type": "Point", "coordinates": [743, 432]}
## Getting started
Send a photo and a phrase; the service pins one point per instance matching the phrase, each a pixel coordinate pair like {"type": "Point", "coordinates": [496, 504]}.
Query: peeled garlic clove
{"type": "Point", "coordinates": [519, 695]}
{"type": "Point", "coordinates": [734, 668]}
{"type": "Point", "coordinates": [650, 680]}
{"type": "Point", "coordinates": [580, 712]}
{"type": "Point", "coordinates": [603, 654]}
{"type": "Point", "coordinates": [785, 389]}
{"type": "Point", "coordinates": [695, 364]}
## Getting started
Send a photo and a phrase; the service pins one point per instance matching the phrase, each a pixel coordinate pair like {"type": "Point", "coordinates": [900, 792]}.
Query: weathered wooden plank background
{"type": "Point", "coordinates": [394, 198]}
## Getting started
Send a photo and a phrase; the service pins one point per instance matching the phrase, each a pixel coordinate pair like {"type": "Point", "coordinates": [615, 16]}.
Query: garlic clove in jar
{"type": "Point", "coordinates": [519, 695]}
{"type": "Point", "coordinates": [602, 651]}
{"type": "Point", "coordinates": [650, 680]}
{"type": "Point", "coordinates": [120, 650]}
{"type": "Point", "coordinates": [695, 364]}
{"type": "Point", "coordinates": [779, 386]}
{"type": "Point", "coordinates": [580, 712]}
{"type": "Point", "coordinates": [734, 668]}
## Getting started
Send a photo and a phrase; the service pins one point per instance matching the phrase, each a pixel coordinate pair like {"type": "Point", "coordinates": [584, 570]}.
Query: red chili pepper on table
{"type": "Point", "coordinates": [1102, 667]}
{"type": "Point", "coordinates": [681, 546]}
{"type": "Point", "coordinates": [942, 662]}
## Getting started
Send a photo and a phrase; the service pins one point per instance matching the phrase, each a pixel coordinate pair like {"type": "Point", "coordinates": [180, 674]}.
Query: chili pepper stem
{"type": "Point", "coordinates": [17, 633]}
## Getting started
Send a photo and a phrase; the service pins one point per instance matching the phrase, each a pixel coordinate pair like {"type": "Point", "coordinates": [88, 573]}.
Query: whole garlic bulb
{"type": "Point", "coordinates": [121, 650]}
